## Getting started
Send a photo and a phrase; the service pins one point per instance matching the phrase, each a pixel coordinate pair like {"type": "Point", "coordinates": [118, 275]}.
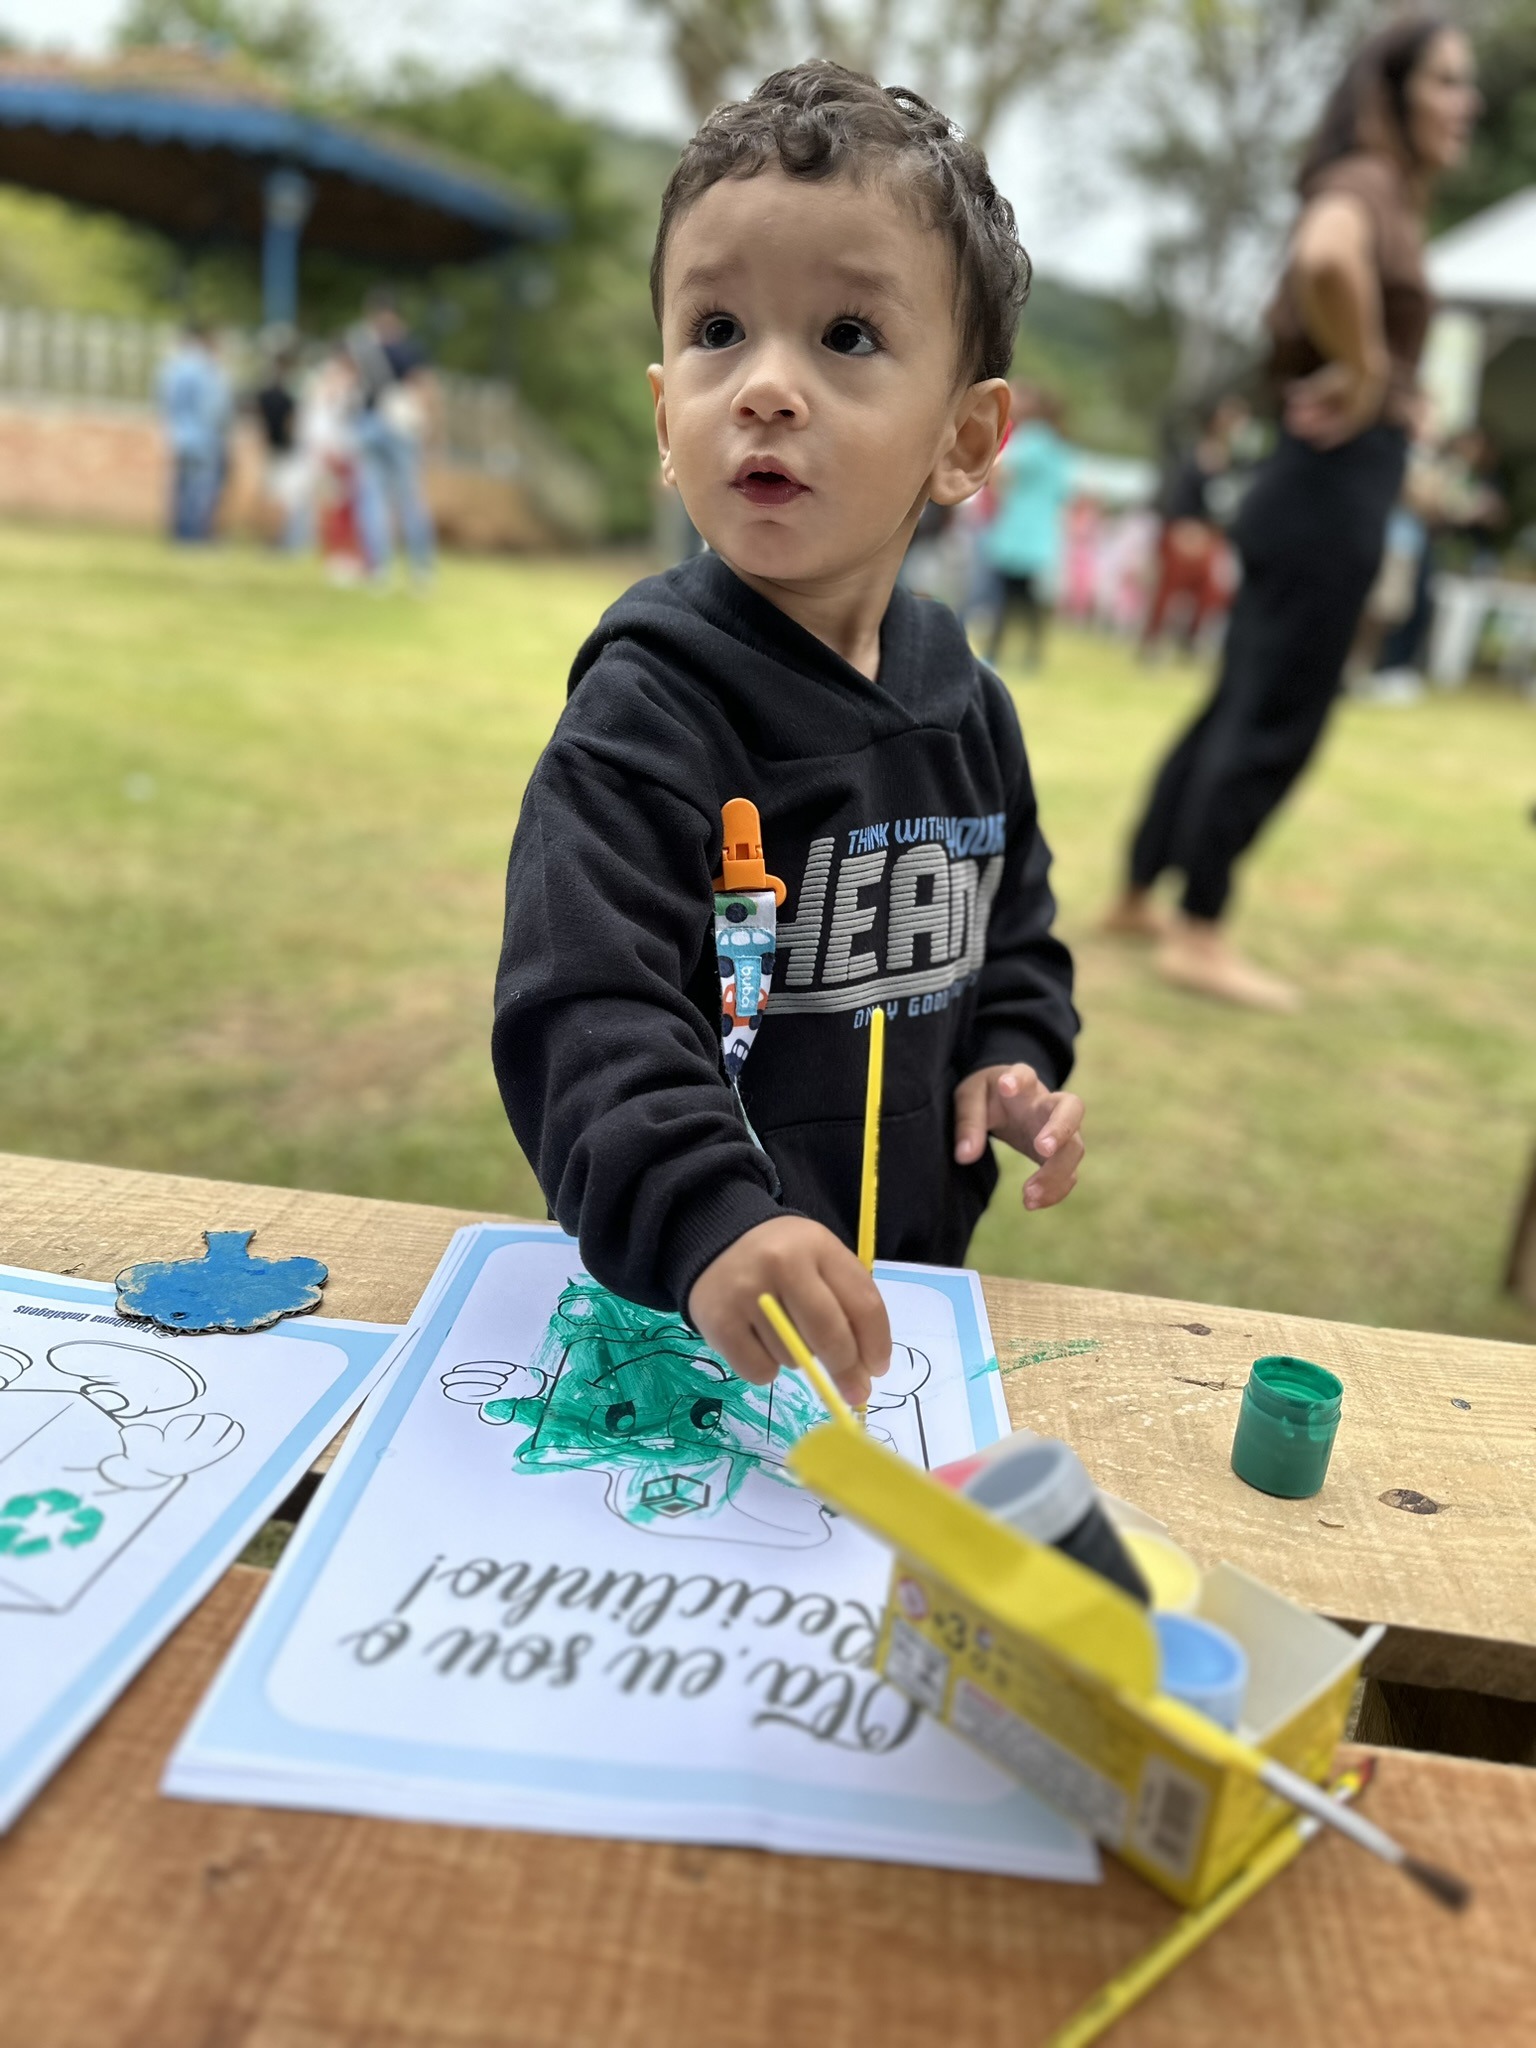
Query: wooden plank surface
{"type": "Point", "coordinates": [1146, 1389]}
{"type": "Point", "coordinates": [60, 1217]}
{"type": "Point", "coordinates": [133, 1921]}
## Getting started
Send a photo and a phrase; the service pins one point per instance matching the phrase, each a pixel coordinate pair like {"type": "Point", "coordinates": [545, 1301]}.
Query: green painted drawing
{"type": "Point", "coordinates": [687, 1447]}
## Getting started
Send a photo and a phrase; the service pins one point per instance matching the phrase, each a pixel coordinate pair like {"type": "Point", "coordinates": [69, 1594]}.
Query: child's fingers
{"type": "Point", "coordinates": [975, 1111]}
{"type": "Point", "coordinates": [972, 1120]}
{"type": "Point", "coordinates": [1057, 1177]}
{"type": "Point", "coordinates": [864, 1307]}
{"type": "Point", "coordinates": [1063, 1123]}
{"type": "Point", "coordinates": [756, 1354]}
{"type": "Point", "coordinates": [855, 1388]}
{"type": "Point", "coordinates": [1015, 1097]}
{"type": "Point", "coordinates": [819, 1316]}
{"type": "Point", "coordinates": [1018, 1085]}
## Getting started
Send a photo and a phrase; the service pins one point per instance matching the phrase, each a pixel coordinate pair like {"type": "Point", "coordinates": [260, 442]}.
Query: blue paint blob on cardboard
{"type": "Point", "coordinates": [228, 1289]}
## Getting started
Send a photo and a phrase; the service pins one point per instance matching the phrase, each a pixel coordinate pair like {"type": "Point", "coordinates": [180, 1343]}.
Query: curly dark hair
{"type": "Point", "coordinates": [821, 120]}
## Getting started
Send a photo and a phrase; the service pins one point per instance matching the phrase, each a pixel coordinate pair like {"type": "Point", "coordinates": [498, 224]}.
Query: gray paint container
{"type": "Point", "coordinates": [1040, 1486]}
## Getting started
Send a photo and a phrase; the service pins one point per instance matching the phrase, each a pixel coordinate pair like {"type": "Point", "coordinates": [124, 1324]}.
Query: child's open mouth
{"type": "Point", "coordinates": [761, 481]}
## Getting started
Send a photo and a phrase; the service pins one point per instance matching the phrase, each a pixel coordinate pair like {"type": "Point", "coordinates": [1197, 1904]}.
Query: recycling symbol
{"type": "Point", "coordinates": [23, 1519]}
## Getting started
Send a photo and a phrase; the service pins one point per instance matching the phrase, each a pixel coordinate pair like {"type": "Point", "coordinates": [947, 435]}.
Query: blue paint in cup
{"type": "Point", "coordinates": [1202, 1666]}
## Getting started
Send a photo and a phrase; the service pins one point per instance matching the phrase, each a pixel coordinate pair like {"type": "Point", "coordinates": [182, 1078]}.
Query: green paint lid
{"type": "Point", "coordinates": [1286, 1426]}
{"type": "Point", "coordinates": [1295, 1390]}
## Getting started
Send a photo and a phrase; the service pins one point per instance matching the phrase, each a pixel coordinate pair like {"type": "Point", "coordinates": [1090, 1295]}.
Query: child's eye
{"type": "Point", "coordinates": [719, 330]}
{"type": "Point", "coordinates": [850, 338]}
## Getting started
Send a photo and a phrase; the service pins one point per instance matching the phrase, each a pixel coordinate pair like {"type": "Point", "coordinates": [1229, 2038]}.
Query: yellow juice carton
{"type": "Point", "coordinates": [1052, 1672]}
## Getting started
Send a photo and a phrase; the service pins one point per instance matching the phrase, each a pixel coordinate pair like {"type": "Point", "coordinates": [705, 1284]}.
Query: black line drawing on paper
{"type": "Point", "coordinates": [94, 1441]}
{"type": "Point", "coordinates": [687, 1448]}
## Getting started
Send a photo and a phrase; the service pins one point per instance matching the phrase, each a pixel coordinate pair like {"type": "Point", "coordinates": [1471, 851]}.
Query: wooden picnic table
{"type": "Point", "coordinates": [134, 1921]}
{"type": "Point", "coordinates": [1146, 1389]}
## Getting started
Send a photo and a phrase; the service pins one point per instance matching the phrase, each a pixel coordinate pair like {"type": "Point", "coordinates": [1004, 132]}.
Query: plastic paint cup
{"type": "Point", "coordinates": [1286, 1427]}
{"type": "Point", "coordinates": [1040, 1486]}
{"type": "Point", "coordinates": [1202, 1666]}
{"type": "Point", "coordinates": [1172, 1573]}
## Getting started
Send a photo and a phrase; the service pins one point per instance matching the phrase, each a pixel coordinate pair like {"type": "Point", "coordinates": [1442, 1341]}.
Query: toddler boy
{"type": "Point", "coordinates": [838, 284]}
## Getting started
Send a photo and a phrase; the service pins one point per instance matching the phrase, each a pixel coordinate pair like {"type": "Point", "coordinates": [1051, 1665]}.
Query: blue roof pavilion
{"type": "Point", "coordinates": [206, 152]}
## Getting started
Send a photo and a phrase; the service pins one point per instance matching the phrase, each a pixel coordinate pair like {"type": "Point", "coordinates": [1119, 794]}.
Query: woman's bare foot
{"type": "Point", "coordinates": [1137, 915]}
{"type": "Point", "coordinates": [1198, 956]}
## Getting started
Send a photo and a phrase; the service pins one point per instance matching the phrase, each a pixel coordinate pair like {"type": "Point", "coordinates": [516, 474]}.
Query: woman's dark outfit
{"type": "Point", "coordinates": [1310, 535]}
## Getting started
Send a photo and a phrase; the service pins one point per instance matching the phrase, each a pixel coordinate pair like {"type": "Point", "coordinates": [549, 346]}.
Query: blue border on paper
{"type": "Point", "coordinates": [238, 1721]}
{"type": "Point", "coordinates": [64, 1718]}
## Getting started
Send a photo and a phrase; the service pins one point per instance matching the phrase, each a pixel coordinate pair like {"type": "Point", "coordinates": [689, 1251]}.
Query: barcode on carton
{"type": "Point", "coordinates": [919, 1667]}
{"type": "Point", "coordinates": [1058, 1777]}
{"type": "Point", "coordinates": [1170, 1817]}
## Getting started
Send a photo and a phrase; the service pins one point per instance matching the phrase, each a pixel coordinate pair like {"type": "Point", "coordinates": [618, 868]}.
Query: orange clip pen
{"type": "Point", "coordinates": [741, 852]}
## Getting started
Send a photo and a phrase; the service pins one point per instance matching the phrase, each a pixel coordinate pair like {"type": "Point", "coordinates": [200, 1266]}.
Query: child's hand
{"type": "Point", "coordinates": [826, 1293]}
{"type": "Point", "coordinates": [1014, 1104]}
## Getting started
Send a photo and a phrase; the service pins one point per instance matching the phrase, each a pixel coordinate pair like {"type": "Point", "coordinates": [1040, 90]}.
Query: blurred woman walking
{"type": "Point", "coordinates": [1348, 326]}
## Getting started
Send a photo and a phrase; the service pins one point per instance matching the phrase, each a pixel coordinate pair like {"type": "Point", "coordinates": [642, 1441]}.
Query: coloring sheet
{"type": "Point", "coordinates": [559, 1578]}
{"type": "Point", "coordinates": [134, 1467]}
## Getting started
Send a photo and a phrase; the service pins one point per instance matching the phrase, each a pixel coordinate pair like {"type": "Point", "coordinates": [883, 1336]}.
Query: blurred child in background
{"type": "Point", "coordinates": [1033, 480]}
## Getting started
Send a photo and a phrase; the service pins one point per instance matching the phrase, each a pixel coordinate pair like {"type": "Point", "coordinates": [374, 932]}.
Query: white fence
{"type": "Point", "coordinates": [97, 359]}
{"type": "Point", "coordinates": [79, 355]}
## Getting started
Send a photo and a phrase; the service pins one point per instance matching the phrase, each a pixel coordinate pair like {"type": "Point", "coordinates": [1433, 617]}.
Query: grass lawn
{"type": "Point", "coordinates": [251, 848]}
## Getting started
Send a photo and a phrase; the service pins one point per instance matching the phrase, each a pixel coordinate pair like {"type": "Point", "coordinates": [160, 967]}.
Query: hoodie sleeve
{"type": "Point", "coordinates": [609, 1069]}
{"type": "Point", "coordinates": [1024, 993]}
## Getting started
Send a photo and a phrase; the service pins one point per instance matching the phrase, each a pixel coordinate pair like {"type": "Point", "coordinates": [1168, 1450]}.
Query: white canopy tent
{"type": "Point", "coordinates": [1488, 264]}
{"type": "Point", "coordinates": [1481, 360]}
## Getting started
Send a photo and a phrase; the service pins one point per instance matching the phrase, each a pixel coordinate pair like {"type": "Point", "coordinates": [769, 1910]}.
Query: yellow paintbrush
{"type": "Point", "coordinates": [1117, 1997]}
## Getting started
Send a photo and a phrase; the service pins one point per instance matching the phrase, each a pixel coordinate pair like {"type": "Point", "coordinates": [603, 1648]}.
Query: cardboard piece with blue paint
{"type": "Point", "coordinates": [228, 1289]}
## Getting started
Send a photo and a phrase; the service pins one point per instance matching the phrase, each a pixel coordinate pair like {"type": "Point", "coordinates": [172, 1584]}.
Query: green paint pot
{"type": "Point", "coordinates": [1286, 1427]}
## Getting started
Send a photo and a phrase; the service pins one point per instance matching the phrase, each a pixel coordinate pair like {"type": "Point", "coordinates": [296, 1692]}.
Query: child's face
{"type": "Point", "coordinates": [808, 401]}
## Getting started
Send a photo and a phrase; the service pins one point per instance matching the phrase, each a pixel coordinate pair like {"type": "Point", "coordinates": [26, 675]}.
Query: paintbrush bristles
{"type": "Point", "coordinates": [1444, 1885]}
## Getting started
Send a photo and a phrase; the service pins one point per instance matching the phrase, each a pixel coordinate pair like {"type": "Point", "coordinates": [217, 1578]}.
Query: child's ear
{"type": "Point", "coordinates": [656, 377]}
{"type": "Point", "coordinates": [979, 424]}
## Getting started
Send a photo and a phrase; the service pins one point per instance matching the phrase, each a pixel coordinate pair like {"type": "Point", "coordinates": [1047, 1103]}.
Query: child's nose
{"type": "Point", "coordinates": [769, 391]}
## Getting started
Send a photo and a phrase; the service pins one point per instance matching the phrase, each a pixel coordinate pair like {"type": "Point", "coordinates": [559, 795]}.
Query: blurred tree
{"type": "Point", "coordinates": [571, 324]}
{"type": "Point", "coordinates": [973, 58]}
{"type": "Point", "coordinates": [1228, 90]}
{"type": "Point", "coordinates": [289, 38]}
{"type": "Point", "coordinates": [711, 42]}
{"type": "Point", "coordinates": [1503, 155]}
{"type": "Point", "coordinates": [1108, 362]}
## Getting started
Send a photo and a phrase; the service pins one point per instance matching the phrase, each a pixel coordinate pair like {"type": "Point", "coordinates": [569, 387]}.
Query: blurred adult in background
{"type": "Point", "coordinates": [930, 566]}
{"type": "Point", "coordinates": [1023, 544]}
{"type": "Point", "coordinates": [1191, 547]}
{"type": "Point", "coordinates": [1452, 506]}
{"type": "Point", "coordinates": [289, 479]}
{"type": "Point", "coordinates": [195, 403]}
{"type": "Point", "coordinates": [1475, 500]}
{"type": "Point", "coordinates": [1348, 326]}
{"type": "Point", "coordinates": [394, 394]}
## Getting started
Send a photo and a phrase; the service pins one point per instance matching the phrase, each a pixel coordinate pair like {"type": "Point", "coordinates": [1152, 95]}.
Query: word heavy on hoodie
{"type": "Point", "coordinates": [901, 817]}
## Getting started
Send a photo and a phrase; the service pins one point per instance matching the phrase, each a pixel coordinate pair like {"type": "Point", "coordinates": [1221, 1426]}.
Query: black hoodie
{"type": "Point", "coordinates": [901, 816]}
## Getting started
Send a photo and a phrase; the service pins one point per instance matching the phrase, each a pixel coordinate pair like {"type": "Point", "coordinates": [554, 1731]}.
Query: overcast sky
{"type": "Point", "coordinates": [1087, 229]}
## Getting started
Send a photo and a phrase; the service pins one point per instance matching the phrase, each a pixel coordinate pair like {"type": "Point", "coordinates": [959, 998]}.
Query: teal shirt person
{"type": "Point", "coordinates": [1034, 481]}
